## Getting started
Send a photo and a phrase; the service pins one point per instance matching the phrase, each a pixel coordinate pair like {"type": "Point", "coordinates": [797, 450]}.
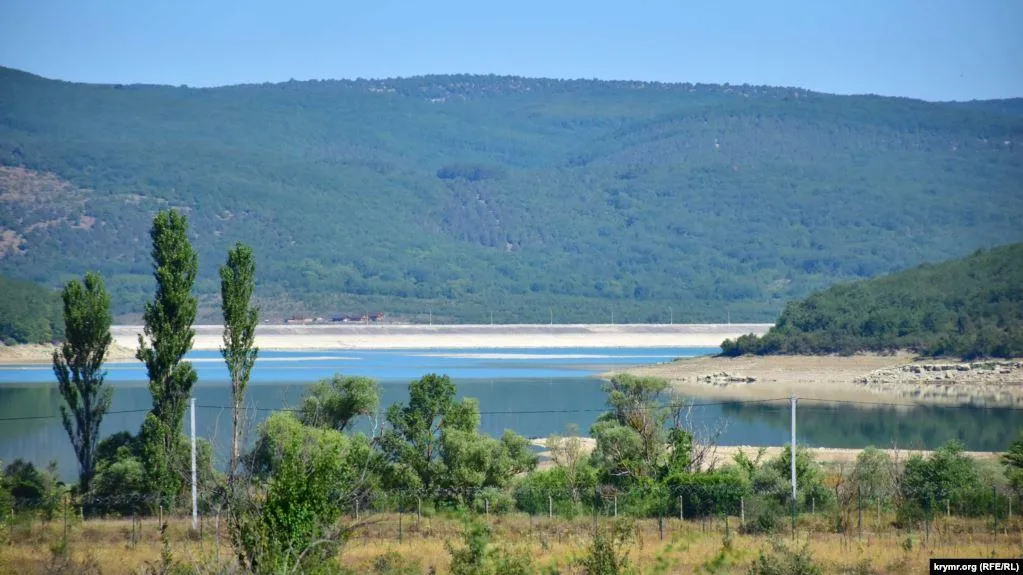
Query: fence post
{"type": "Point", "coordinates": [681, 509]}
{"type": "Point", "coordinates": [616, 505]}
{"type": "Point", "coordinates": [948, 508]}
{"type": "Point", "coordinates": [550, 506]}
{"type": "Point", "coordinates": [813, 505]}
{"type": "Point", "coordinates": [859, 512]}
{"type": "Point", "coordinates": [399, 527]}
{"type": "Point", "coordinates": [217, 536]}
{"type": "Point", "coordinates": [742, 512]}
{"type": "Point", "coordinates": [994, 506]}
{"type": "Point", "coordinates": [486, 506]}
{"type": "Point", "coordinates": [660, 524]}
{"type": "Point", "coordinates": [65, 524]}
{"type": "Point", "coordinates": [927, 528]}
{"type": "Point", "coordinates": [419, 510]}
{"type": "Point", "coordinates": [133, 529]}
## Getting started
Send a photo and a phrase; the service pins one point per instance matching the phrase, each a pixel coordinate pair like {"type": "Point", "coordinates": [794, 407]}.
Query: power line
{"type": "Point", "coordinates": [813, 403]}
{"type": "Point", "coordinates": [35, 417]}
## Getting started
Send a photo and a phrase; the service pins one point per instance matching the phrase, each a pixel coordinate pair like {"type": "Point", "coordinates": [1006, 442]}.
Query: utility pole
{"type": "Point", "coordinates": [671, 316]}
{"type": "Point", "coordinates": [195, 497]}
{"type": "Point", "coordinates": [431, 316]}
{"type": "Point", "coordinates": [792, 459]}
{"type": "Point", "coordinates": [612, 317]}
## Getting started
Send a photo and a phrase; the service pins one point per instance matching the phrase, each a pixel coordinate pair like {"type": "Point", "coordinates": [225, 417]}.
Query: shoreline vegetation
{"type": "Point", "coordinates": [968, 308]}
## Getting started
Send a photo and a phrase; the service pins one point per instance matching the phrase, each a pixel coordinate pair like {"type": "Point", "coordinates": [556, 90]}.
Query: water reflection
{"type": "Point", "coordinates": [534, 396]}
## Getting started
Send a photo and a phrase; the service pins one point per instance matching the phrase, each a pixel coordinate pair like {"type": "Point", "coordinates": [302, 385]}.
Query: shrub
{"type": "Point", "coordinates": [393, 563]}
{"type": "Point", "coordinates": [608, 553]}
{"type": "Point", "coordinates": [32, 490]}
{"type": "Point", "coordinates": [494, 500]}
{"type": "Point", "coordinates": [531, 494]}
{"type": "Point", "coordinates": [784, 561]}
{"type": "Point", "coordinates": [710, 493]}
{"type": "Point", "coordinates": [477, 557]}
{"type": "Point", "coordinates": [872, 477]}
{"type": "Point", "coordinates": [292, 519]}
{"type": "Point", "coordinates": [764, 515]}
{"type": "Point", "coordinates": [947, 475]}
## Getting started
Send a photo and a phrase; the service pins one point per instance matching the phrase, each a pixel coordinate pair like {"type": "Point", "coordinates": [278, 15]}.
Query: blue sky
{"type": "Point", "coordinates": [929, 49]}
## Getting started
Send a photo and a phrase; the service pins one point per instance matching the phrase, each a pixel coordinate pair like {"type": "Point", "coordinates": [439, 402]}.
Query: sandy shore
{"type": "Point", "coordinates": [899, 378]}
{"type": "Point", "coordinates": [43, 353]}
{"type": "Point", "coordinates": [309, 337]}
{"type": "Point", "coordinates": [828, 456]}
{"type": "Point", "coordinates": [467, 337]}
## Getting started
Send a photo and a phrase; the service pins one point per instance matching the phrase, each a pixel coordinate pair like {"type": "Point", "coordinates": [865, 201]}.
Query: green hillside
{"type": "Point", "coordinates": [472, 194]}
{"type": "Point", "coordinates": [29, 313]}
{"type": "Point", "coordinates": [970, 307]}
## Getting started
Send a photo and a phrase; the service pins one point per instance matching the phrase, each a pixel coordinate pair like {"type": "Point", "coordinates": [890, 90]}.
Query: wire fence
{"type": "Point", "coordinates": [842, 508]}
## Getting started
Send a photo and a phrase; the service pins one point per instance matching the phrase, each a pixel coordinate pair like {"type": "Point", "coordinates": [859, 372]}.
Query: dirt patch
{"type": "Point", "coordinates": [10, 243]}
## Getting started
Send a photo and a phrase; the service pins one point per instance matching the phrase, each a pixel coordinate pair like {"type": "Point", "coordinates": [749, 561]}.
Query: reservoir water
{"type": "Point", "coordinates": [534, 392]}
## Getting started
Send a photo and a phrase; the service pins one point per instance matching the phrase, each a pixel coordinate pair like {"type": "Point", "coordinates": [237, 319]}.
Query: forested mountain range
{"type": "Point", "coordinates": [970, 307]}
{"type": "Point", "coordinates": [472, 194]}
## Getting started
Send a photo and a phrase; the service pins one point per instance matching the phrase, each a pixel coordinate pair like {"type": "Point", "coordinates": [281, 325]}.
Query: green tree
{"type": "Point", "coordinates": [412, 442]}
{"type": "Point", "coordinates": [303, 476]}
{"type": "Point", "coordinates": [237, 281]}
{"type": "Point", "coordinates": [168, 337]}
{"type": "Point", "coordinates": [630, 439]}
{"type": "Point", "coordinates": [31, 489]}
{"type": "Point", "coordinates": [1013, 462]}
{"type": "Point", "coordinates": [947, 475]}
{"type": "Point", "coordinates": [336, 402]}
{"type": "Point", "coordinates": [433, 443]}
{"type": "Point", "coordinates": [78, 365]}
{"type": "Point", "coordinates": [873, 476]}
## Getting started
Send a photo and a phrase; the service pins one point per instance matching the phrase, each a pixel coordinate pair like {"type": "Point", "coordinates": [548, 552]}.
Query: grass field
{"type": "Point", "coordinates": [113, 546]}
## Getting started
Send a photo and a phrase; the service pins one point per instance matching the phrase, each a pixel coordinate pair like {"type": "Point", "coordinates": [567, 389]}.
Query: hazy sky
{"type": "Point", "coordinates": [930, 49]}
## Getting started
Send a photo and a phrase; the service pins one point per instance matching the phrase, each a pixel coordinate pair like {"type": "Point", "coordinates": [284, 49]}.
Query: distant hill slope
{"type": "Point", "coordinates": [476, 194]}
{"type": "Point", "coordinates": [29, 313]}
{"type": "Point", "coordinates": [969, 307]}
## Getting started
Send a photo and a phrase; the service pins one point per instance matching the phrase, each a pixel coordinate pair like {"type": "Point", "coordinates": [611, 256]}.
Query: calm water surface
{"type": "Point", "coordinates": [554, 387]}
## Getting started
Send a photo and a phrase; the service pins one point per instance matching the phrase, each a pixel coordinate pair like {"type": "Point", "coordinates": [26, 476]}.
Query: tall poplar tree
{"type": "Point", "coordinates": [168, 337]}
{"type": "Point", "coordinates": [78, 365]}
{"type": "Point", "coordinates": [237, 280]}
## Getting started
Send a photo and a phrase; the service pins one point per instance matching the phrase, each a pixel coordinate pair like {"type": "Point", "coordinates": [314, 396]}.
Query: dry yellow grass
{"type": "Point", "coordinates": [685, 548]}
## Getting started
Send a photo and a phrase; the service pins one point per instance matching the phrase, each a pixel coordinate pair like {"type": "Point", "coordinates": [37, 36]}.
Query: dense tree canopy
{"type": "Point", "coordinates": [969, 307]}
{"type": "Point", "coordinates": [472, 194]}
{"type": "Point", "coordinates": [29, 313]}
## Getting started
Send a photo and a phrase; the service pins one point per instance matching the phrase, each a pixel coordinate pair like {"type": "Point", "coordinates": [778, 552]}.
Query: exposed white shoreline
{"type": "Point", "coordinates": [524, 336]}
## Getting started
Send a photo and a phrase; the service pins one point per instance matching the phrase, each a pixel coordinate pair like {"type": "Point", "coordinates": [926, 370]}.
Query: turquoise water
{"type": "Point", "coordinates": [533, 392]}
